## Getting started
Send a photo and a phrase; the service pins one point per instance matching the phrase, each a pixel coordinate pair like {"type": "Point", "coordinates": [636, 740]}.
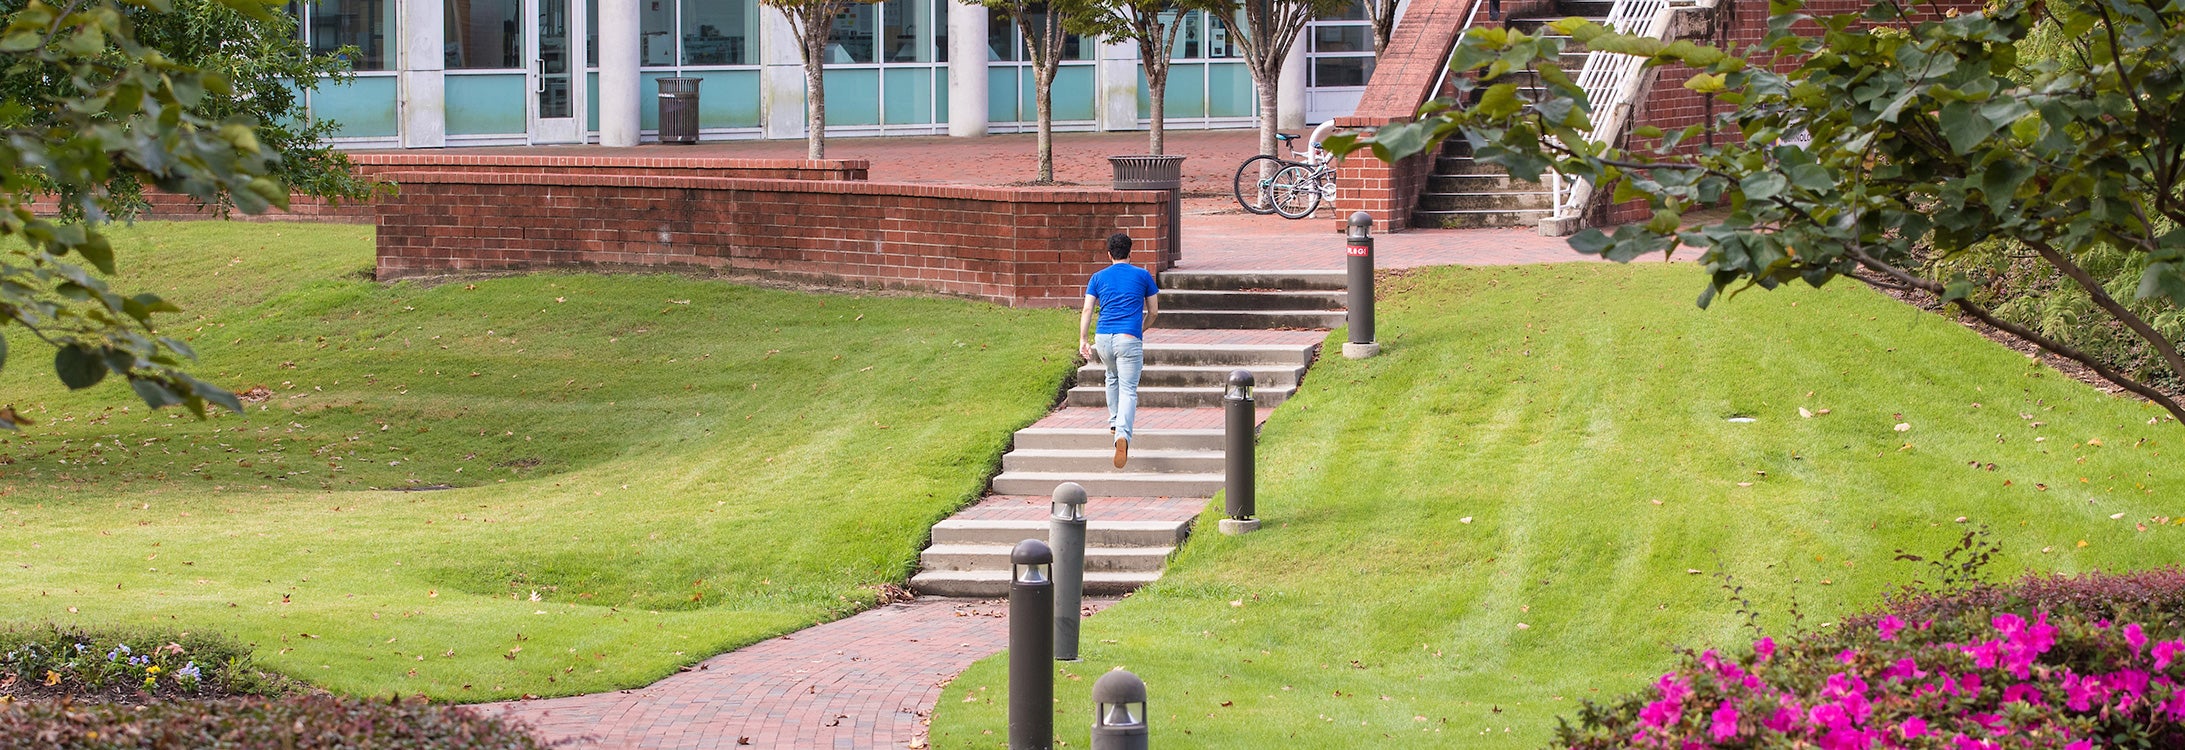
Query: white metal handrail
{"type": "Point", "coordinates": [1608, 78]}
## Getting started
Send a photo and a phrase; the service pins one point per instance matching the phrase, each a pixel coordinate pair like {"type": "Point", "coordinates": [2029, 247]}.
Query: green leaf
{"type": "Point", "coordinates": [155, 394]}
{"type": "Point", "coordinates": [1762, 185]}
{"type": "Point", "coordinates": [1590, 241]}
{"type": "Point", "coordinates": [23, 40]}
{"type": "Point", "coordinates": [78, 367]}
{"type": "Point", "coordinates": [97, 252]}
{"type": "Point", "coordinates": [1500, 101]}
{"type": "Point", "coordinates": [1401, 140]}
{"type": "Point", "coordinates": [1964, 126]}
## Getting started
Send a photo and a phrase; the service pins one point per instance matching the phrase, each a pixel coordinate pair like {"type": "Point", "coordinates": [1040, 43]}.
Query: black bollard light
{"type": "Point", "coordinates": [1031, 647]}
{"type": "Point", "coordinates": [1119, 712]}
{"type": "Point", "coordinates": [1066, 532]}
{"type": "Point", "coordinates": [1240, 430]}
{"type": "Point", "coordinates": [1358, 244]}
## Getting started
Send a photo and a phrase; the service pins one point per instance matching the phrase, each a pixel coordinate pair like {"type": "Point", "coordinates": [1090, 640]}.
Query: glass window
{"type": "Point", "coordinates": [1356, 11]}
{"type": "Point", "coordinates": [1220, 44]}
{"type": "Point", "coordinates": [1001, 29]}
{"type": "Point", "coordinates": [719, 33]}
{"type": "Point", "coordinates": [1341, 39]}
{"type": "Point", "coordinates": [656, 26]}
{"type": "Point", "coordinates": [853, 36]}
{"type": "Point", "coordinates": [363, 24]}
{"type": "Point", "coordinates": [484, 34]}
{"type": "Point", "coordinates": [1342, 71]}
{"type": "Point", "coordinates": [901, 32]}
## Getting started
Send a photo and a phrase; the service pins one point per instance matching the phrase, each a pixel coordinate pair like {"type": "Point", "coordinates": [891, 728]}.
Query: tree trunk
{"type": "Point", "coordinates": [1267, 91]}
{"type": "Point", "coordinates": [1156, 135]}
{"type": "Point", "coordinates": [815, 103]}
{"type": "Point", "coordinates": [1043, 95]}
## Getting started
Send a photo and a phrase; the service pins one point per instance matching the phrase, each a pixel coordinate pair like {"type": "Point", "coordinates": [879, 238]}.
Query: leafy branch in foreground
{"type": "Point", "coordinates": [113, 111]}
{"type": "Point", "coordinates": [1929, 136]}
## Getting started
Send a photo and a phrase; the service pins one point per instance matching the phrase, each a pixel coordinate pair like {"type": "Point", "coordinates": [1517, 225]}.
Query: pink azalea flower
{"type": "Point", "coordinates": [1764, 649]}
{"type": "Point", "coordinates": [1889, 625]}
{"type": "Point", "coordinates": [2024, 691]}
{"type": "Point", "coordinates": [2080, 745]}
{"type": "Point", "coordinates": [1724, 725]}
{"type": "Point", "coordinates": [2165, 652]}
{"type": "Point", "coordinates": [1848, 656]}
{"type": "Point", "coordinates": [2135, 636]}
{"type": "Point", "coordinates": [1912, 728]}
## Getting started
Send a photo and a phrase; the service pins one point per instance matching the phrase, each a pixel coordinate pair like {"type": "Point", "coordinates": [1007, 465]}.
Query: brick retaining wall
{"type": "Point", "coordinates": [1013, 246]}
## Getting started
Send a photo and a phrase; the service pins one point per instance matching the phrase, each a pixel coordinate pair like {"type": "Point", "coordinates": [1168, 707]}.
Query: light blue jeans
{"type": "Point", "coordinates": [1124, 356]}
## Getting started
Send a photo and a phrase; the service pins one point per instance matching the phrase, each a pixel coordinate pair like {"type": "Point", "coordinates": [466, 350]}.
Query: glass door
{"type": "Point", "coordinates": [1340, 59]}
{"type": "Point", "coordinates": [557, 95]}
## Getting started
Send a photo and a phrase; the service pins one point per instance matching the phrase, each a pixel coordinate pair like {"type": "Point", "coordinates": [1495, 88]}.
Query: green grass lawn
{"type": "Point", "coordinates": [1524, 501]}
{"type": "Point", "coordinates": [643, 470]}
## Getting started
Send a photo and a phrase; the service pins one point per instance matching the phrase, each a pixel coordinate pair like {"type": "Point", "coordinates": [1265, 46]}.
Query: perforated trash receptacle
{"type": "Point", "coordinates": [1156, 172]}
{"type": "Point", "coordinates": [678, 110]}
{"type": "Point", "coordinates": [1161, 172]}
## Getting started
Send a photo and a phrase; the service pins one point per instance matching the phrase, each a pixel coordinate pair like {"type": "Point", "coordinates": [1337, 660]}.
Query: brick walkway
{"type": "Point", "coordinates": [868, 681]}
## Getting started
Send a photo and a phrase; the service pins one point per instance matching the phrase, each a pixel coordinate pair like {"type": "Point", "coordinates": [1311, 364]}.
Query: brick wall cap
{"type": "Point", "coordinates": [436, 159]}
{"type": "Point", "coordinates": [917, 190]}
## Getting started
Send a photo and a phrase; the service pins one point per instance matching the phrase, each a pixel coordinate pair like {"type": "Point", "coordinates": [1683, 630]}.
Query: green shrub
{"type": "Point", "coordinates": [307, 722]}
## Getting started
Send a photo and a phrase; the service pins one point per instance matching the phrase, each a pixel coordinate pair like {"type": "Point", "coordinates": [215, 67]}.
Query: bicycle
{"type": "Point", "coordinates": [1290, 188]}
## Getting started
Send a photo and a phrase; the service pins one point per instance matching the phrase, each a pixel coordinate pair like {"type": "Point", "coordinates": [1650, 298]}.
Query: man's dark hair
{"type": "Point", "coordinates": [1119, 246]}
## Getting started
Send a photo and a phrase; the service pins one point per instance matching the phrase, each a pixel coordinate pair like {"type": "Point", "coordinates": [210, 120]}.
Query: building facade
{"type": "Point", "coordinates": [433, 73]}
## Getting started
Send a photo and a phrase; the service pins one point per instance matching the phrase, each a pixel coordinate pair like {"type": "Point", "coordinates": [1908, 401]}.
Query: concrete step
{"type": "Point", "coordinates": [966, 557]}
{"type": "Point", "coordinates": [1477, 219]}
{"type": "Point", "coordinates": [1234, 281]}
{"type": "Point", "coordinates": [1463, 165]}
{"type": "Point", "coordinates": [1251, 319]}
{"type": "Point", "coordinates": [1534, 199]}
{"type": "Point", "coordinates": [1149, 397]}
{"type": "Point", "coordinates": [1229, 355]}
{"type": "Point", "coordinates": [995, 583]}
{"type": "Point", "coordinates": [1098, 533]}
{"type": "Point", "coordinates": [1487, 182]}
{"type": "Point", "coordinates": [1185, 300]}
{"type": "Point", "coordinates": [1070, 438]}
{"type": "Point", "coordinates": [1197, 376]}
{"type": "Point", "coordinates": [1130, 483]}
{"type": "Point", "coordinates": [1102, 461]}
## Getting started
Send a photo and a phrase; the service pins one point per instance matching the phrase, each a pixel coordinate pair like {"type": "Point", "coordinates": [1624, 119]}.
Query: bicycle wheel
{"type": "Point", "coordinates": [1253, 177]}
{"type": "Point", "coordinates": [1296, 192]}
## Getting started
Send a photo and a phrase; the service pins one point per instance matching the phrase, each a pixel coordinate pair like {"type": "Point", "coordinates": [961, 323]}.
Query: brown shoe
{"type": "Point", "coordinates": [1122, 452]}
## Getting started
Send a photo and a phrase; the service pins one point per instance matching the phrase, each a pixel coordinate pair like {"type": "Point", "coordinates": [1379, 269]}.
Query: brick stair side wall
{"type": "Point", "coordinates": [1012, 246]}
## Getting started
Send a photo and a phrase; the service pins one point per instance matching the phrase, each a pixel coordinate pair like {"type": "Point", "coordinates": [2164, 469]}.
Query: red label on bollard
{"type": "Point", "coordinates": [1359, 251]}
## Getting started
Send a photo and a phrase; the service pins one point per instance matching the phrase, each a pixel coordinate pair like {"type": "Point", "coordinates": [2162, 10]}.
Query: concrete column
{"type": "Point", "coordinates": [422, 60]}
{"type": "Point", "coordinates": [1290, 91]}
{"type": "Point", "coordinates": [967, 59]}
{"type": "Point", "coordinates": [1117, 82]}
{"type": "Point", "coordinates": [781, 79]}
{"type": "Point", "coordinates": [620, 42]}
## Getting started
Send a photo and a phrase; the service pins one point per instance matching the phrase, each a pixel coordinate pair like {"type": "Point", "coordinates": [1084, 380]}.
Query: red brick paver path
{"type": "Point", "coordinates": [863, 682]}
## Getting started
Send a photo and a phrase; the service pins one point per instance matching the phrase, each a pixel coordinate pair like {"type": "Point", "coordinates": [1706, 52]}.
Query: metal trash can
{"type": "Point", "coordinates": [678, 110]}
{"type": "Point", "coordinates": [1156, 172]}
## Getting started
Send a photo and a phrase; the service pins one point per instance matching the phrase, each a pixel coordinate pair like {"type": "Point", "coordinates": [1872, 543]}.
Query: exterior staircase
{"type": "Point", "coordinates": [1210, 323]}
{"type": "Point", "coordinates": [1462, 193]}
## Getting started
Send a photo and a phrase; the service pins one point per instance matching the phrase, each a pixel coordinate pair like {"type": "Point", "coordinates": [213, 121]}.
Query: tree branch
{"type": "Point", "coordinates": [2101, 298]}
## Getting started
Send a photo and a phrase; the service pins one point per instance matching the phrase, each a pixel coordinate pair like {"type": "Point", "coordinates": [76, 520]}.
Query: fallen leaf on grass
{"type": "Point", "coordinates": [1804, 414]}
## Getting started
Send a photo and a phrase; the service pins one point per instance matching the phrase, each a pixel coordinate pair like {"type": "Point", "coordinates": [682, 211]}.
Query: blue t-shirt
{"type": "Point", "coordinates": [1122, 290]}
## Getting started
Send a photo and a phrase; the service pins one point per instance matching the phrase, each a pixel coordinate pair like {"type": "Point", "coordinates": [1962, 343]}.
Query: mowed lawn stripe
{"type": "Point", "coordinates": [1576, 416]}
{"type": "Point", "coordinates": [673, 467]}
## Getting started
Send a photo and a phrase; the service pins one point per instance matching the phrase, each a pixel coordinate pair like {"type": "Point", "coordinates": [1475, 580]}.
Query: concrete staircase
{"type": "Point", "coordinates": [1462, 193]}
{"type": "Point", "coordinates": [1137, 515]}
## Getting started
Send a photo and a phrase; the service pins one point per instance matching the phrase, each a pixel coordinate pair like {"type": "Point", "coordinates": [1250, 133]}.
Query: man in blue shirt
{"type": "Point", "coordinates": [1124, 296]}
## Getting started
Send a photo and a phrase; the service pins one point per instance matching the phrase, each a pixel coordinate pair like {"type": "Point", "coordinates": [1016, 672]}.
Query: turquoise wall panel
{"type": "Point", "coordinates": [910, 95]}
{"type": "Point", "coordinates": [491, 104]}
{"type": "Point", "coordinates": [1229, 90]}
{"type": "Point", "coordinates": [1001, 94]}
{"type": "Point", "coordinates": [940, 94]}
{"type": "Point", "coordinates": [1186, 94]}
{"type": "Point", "coordinates": [591, 105]}
{"type": "Point", "coordinates": [365, 106]}
{"type": "Point", "coordinates": [728, 98]}
{"type": "Point", "coordinates": [853, 97]}
{"type": "Point", "coordinates": [1075, 95]}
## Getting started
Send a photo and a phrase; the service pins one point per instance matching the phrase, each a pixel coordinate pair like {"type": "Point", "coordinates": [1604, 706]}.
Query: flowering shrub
{"type": "Point", "coordinates": [124, 665]}
{"type": "Point", "coordinates": [2037, 664]}
{"type": "Point", "coordinates": [303, 722]}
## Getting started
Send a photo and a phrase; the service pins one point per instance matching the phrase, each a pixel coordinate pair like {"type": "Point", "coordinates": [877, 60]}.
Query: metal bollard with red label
{"type": "Point", "coordinates": [1359, 247]}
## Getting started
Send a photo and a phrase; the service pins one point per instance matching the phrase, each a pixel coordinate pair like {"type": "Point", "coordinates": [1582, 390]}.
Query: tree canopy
{"type": "Point", "coordinates": [1925, 137]}
{"type": "Point", "coordinates": [106, 97]}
